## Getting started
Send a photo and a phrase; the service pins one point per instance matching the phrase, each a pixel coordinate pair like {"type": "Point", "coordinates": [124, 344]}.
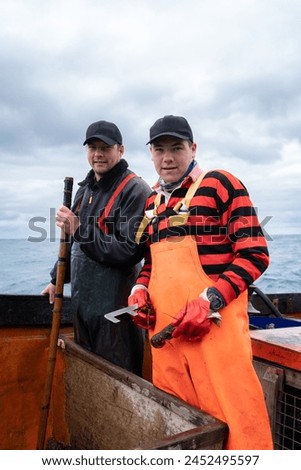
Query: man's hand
{"type": "Point", "coordinates": [49, 290]}
{"type": "Point", "coordinates": [192, 321]}
{"type": "Point", "coordinates": [67, 220]}
{"type": "Point", "coordinates": [146, 315]}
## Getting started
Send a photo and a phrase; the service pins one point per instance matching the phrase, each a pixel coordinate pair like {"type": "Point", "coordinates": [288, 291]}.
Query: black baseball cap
{"type": "Point", "coordinates": [175, 126]}
{"type": "Point", "coordinates": [104, 130]}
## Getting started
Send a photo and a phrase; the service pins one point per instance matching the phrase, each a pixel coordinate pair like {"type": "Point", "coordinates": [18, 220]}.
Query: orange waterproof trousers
{"type": "Point", "coordinates": [216, 374]}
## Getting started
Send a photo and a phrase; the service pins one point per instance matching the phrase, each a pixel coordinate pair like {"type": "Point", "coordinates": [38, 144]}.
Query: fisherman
{"type": "Point", "coordinates": [105, 259]}
{"type": "Point", "coordinates": [203, 247]}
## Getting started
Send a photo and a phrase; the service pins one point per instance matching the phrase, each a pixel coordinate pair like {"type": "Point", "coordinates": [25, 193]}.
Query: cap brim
{"type": "Point", "coordinates": [104, 138]}
{"type": "Point", "coordinates": [172, 134]}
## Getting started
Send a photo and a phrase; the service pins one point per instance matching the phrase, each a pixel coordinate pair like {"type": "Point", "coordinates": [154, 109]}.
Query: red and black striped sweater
{"type": "Point", "coordinates": [231, 245]}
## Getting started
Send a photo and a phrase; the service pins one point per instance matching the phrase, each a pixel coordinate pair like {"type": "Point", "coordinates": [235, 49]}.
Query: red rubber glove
{"type": "Point", "coordinates": [146, 317]}
{"type": "Point", "coordinates": [192, 321]}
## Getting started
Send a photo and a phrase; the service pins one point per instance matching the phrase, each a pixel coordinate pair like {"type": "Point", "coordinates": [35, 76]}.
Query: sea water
{"type": "Point", "coordinates": [25, 265]}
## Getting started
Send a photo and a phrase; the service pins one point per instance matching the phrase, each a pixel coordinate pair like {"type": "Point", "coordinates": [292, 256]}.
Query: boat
{"type": "Point", "coordinates": [97, 405]}
{"type": "Point", "coordinates": [275, 330]}
{"type": "Point", "coordinates": [94, 404]}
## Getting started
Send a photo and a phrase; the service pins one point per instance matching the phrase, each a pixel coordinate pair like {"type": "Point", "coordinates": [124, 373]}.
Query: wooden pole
{"type": "Point", "coordinates": [56, 319]}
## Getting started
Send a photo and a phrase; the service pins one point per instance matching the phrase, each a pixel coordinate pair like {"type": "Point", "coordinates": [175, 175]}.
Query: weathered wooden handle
{"type": "Point", "coordinates": [68, 186]}
{"type": "Point", "coordinates": [56, 319]}
{"type": "Point", "coordinates": [159, 339]}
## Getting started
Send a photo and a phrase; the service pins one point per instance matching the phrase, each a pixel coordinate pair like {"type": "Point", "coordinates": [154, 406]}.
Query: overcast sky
{"type": "Point", "coordinates": [232, 68]}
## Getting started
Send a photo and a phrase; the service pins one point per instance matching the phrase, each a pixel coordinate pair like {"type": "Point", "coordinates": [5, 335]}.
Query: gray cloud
{"type": "Point", "coordinates": [233, 72]}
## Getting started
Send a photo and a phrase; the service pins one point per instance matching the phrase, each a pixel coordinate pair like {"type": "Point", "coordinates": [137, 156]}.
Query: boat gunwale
{"type": "Point", "coordinates": [22, 310]}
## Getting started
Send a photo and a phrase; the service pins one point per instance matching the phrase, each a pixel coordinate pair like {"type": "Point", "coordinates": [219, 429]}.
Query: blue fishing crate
{"type": "Point", "coordinates": [262, 323]}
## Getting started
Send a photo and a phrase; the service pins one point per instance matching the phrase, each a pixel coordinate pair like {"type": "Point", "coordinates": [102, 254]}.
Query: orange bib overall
{"type": "Point", "coordinates": [215, 375]}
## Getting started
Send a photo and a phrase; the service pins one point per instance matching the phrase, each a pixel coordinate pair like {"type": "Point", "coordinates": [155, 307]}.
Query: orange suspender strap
{"type": "Point", "coordinates": [178, 219]}
{"type": "Point", "coordinates": [182, 217]}
{"type": "Point", "coordinates": [102, 219]}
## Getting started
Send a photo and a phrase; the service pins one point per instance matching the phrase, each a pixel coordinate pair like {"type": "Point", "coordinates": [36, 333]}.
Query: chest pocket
{"type": "Point", "coordinates": [181, 209]}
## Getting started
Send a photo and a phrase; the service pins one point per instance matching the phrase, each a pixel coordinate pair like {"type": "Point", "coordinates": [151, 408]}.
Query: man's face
{"type": "Point", "coordinates": [102, 157]}
{"type": "Point", "coordinates": [171, 157]}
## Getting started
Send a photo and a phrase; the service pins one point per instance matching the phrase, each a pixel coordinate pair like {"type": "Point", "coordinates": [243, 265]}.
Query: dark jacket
{"type": "Point", "coordinates": [118, 247]}
{"type": "Point", "coordinates": [104, 266]}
